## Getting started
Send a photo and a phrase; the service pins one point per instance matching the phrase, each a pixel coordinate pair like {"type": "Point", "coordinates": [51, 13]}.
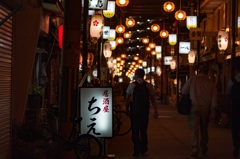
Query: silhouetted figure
{"type": "Point", "coordinates": [203, 94]}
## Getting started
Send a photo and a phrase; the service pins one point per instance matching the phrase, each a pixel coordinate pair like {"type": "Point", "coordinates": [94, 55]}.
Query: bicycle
{"type": "Point", "coordinates": [85, 146]}
{"type": "Point", "coordinates": [121, 122]}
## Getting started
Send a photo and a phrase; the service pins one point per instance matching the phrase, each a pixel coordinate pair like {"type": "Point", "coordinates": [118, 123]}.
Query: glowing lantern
{"type": "Point", "coordinates": [106, 32]}
{"type": "Point", "coordinates": [168, 6]}
{"type": "Point", "coordinates": [113, 44]}
{"type": "Point", "coordinates": [122, 3]}
{"type": "Point", "coordinates": [152, 45]}
{"type": "Point", "coordinates": [127, 35]}
{"type": "Point", "coordinates": [60, 36]}
{"type": "Point", "coordinates": [110, 12]}
{"type": "Point", "coordinates": [172, 39]}
{"type": "Point", "coordinates": [180, 15]}
{"type": "Point", "coordinates": [155, 27]}
{"type": "Point", "coordinates": [90, 59]}
{"type": "Point", "coordinates": [222, 40]}
{"type": "Point", "coordinates": [130, 22]}
{"type": "Point", "coordinates": [120, 29]}
{"type": "Point", "coordinates": [191, 56]}
{"type": "Point", "coordinates": [164, 33]}
{"type": "Point", "coordinates": [107, 51]}
{"type": "Point", "coordinates": [144, 63]}
{"type": "Point", "coordinates": [112, 34]}
{"type": "Point", "coordinates": [158, 50]}
{"type": "Point", "coordinates": [145, 40]}
{"type": "Point", "coordinates": [119, 40]}
{"type": "Point", "coordinates": [191, 22]}
{"type": "Point", "coordinates": [96, 27]}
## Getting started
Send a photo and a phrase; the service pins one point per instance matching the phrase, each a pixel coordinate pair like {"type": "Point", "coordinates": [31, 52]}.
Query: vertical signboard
{"type": "Point", "coordinates": [96, 109]}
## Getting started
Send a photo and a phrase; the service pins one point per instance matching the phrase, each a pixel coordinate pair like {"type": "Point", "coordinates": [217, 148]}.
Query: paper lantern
{"type": "Point", "coordinates": [191, 22]}
{"type": "Point", "coordinates": [152, 45]}
{"type": "Point", "coordinates": [169, 6]}
{"type": "Point", "coordinates": [113, 44]}
{"type": "Point", "coordinates": [60, 36]}
{"type": "Point", "coordinates": [112, 34]}
{"type": "Point", "coordinates": [163, 33]}
{"type": "Point", "coordinates": [107, 50]}
{"type": "Point", "coordinates": [110, 12]}
{"type": "Point", "coordinates": [172, 39]}
{"type": "Point", "coordinates": [158, 50]}
{"type": "Point", "coordinates": [222, 40]}
{"type": "Point", "coordinates": [123, 56]}
{"type": "Point", "coordinates": [110, 63]}
{"type": "Point", "coordinates": [144, 63]}
{"type": "Point", "coordinates": [155, 27]}
{"type": "Point", "coordinates": [120, 29]}
{"type": "Point", "coordinates": [130, 22]}
{"type": "Point", "coordinates": [106, 32]}
{"type": "Point", "coordinates": [90, 59]}
{"type": "Point", "coordinates": [119, 40]}
{"type": "Point", "coordinates": [127, 35]}
{"type": "Point", "coordinates": [180, 15]}
{"type": "Point", "coordinates": [122, 3]}
{"type": "Point", "coordinates": [145, 40]}
{"type": "Point", "coordinates": [148, 49]}
{"type": "Point", "coordinates": [96, 26]}
{"type": "Point", "coordinates": [191, 56]}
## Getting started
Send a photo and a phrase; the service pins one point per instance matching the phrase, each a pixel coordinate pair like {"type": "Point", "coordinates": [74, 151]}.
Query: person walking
{"type": "Point", "coordinates": [203, 94]}
{"type": "Point", "coordinates": [233, 91]}
{"type": "Point", "coordinates": [139, 94]}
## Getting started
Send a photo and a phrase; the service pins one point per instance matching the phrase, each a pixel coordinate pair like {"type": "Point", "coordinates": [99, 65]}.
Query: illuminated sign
{"type": "Point", "coordinates": [96, 109]}
{"type": "Point", "coordinates": [184, 47]}
{"type": "Point", "coordinates": [167, 60]}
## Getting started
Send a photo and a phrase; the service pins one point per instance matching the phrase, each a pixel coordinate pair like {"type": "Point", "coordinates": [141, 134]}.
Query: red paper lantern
{"type": "Point", "coordinates": [60, 36]}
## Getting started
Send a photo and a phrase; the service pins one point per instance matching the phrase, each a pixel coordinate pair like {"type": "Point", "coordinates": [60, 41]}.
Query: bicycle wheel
{"type": "Point", "coordinates": [116, 124]}
{"type": "Point", "coordinates": [87, 146]}
{"type": "Point", "coordinates": [125, 122]}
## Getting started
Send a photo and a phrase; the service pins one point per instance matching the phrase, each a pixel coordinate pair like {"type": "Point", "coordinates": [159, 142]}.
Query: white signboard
{"type": "Point", "coordinates": [96, 109]}
{"type": "Point", "coordinates": [97, 4]}
{"type": "Point", "coordinates": [184, 47]}
{"type": "Point", "coordinates": [167, 60]}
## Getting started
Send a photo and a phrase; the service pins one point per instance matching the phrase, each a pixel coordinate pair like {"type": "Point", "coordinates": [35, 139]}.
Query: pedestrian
{"type": "Point", "coordinates": [140, 93]}
{"type": "Point", "coordinates": [203, 93]}
{"type": "Point", "coordinates": [234, 95]}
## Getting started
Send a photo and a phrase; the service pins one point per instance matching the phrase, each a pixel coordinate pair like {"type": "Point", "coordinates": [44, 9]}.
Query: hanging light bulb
{"type": "Point", "coordinates": [168, 6]}
{"type": "Point", "coordinates": [120, 29]}
{"type": "Point", "coordinates": [152, 45]}
{"type": "Point", "coordinates": [130, 22]}
{"type": "Point", "coordinates": [164, 33]}
{"type": "Point", "coordinates": [191, 56]}
{"type": "Point", "coordinates": [122, 3]}
{"type": "Point", "coordinates": [119, 40]}
{"type": "Point", "coordinates": [145, 40]}
{"type": "Point", "coordinates": [127, 35]}
{"type": "Point", "coordinates": [180, 15]}
{"type": "Point", "coordinates": [155, 27]}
